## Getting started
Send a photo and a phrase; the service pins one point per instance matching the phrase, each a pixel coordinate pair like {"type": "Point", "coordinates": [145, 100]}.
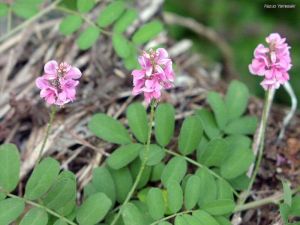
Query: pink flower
{"type": "Point", "coordinates": [58, 84]}
{"type": "Point", "coordinates": [156, 74]}
{"type": "Point", "coordinates": [272, 62]}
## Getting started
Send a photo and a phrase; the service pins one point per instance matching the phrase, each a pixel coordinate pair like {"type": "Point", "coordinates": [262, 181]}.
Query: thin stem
{"type": "Point", "coordinates": [35, 204]}
{"type": "Point", "coordinates": [9, 19]}
{"type": "Point", "coordinates": [69, 11]}
{"type": "Point", "coordinates": [263, 125]}
{"type": "Point", "coordinates": [202, 166]}
{"type": "Point", "coordinates": [171, 216]}
{"type": "Point", "coordinates": [49, 125]}
{"type": "Point", "coordinates": [138, 177]}
{"type": "Point", "coordinates": [274, 199]}
{"type": "Point", "coordinates": [33, 18]}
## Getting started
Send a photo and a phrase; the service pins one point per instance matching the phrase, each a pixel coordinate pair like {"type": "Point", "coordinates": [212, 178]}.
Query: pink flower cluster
{"type": "Point", "coordinates": [58, 84]}
{"type": "Point", "coordinates": [272, 62]}
{"type": "Point", "coordinates": [156, 74]}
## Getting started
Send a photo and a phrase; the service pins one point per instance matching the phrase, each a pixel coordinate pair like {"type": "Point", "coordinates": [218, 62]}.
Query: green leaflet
{"type": "Point", "coordinates": [10, 210]}
{"type": "Point", "coordinates": [111, 13]}
{"type": "Point", "coordinates": [125, 20]}
{"type": "Point", "coordinates": [85, 6]}
{"type": "Point", "coordinates": [244, 125]}
{"type": "Point", "coordinates": [219, 207]}
{"type": "Point", "coordinates": [42, 178]}
{"type": "Point", "coordinates": [132, 215]}
{"type": "Point", "coordinates": [124, 155]}
{"type": "Point", "coordinates": [190, 135]}
{"type": "Point", "coordinates": [121, 45]}
{"type": "Point", "coordinates": [70, 24]}
{"type": "Point", "coordinates": [219, 108]}
{"type": "Point", "coordinates": [157, 171]}
{"type": "Point", "coordinates": [94, 209]}
{"type": "Point", "coordinates": [61, 192]}
{"type": "Point", "coordinates": [164, 123]}
{"type": "Point", "coordinates": [209, 124]}
{"type": "Point", "coordinates": [35, 216]}
{"type": "Point", "coordinates": [9, 167]}
{"type": "Point", "coordinates": [109, 129]}
{"type": "Point", "coordinates": [175, 196]}
{"type": "Point", "coordinates": [103, 182]}
{"type": "Point", "coordinates": [204, 216]}
{"type": "Point", "coordinates": [135, 168]}
{"type": "Point", "coordinates": [214, 153]}
{"type": "Point", "coordinates": [237, 163]}
{"type": "Point", "coordinates": [236, 99]}
{"type": "Point", "coordinates": [88, 37]}
{"type": "Point", "coordinates": [146, 32]}
{"type": "Point", "coordinates": [155, 154]}
{"type": "Point", "coordinates": [123, 183]}
{"type": "Point", "coordinates": [3, 9]}
{"type": "Point", "coordinates": [208, 186]}
{"type": "Point", "coordinates": [155, 203]}
{"type": "Point", "coordinates": [174, 170]}
{"type": "Point", "coordinates": [192, 191]}
{"type": "Point", "coordinates": [137, 121]}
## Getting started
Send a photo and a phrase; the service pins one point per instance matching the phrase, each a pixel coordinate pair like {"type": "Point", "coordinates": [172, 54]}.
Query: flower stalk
{"type": "Point", "coordinates": [49, 125]}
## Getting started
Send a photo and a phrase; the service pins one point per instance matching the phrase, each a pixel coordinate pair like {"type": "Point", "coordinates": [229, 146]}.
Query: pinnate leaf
{"type": "Point", "coordinates": [42, 178]}
{"type": "Point", "coordinates": [109, 129]}
{"type": "Point", "coordinates": [9, 167]}
{"type": "Point", "coordinates": [94, 209]}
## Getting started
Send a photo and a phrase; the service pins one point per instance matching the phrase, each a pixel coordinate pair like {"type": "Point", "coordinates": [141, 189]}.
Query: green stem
{"type": "Point", "coordinates": [69, 11]}
{"type": "Point", "coordinates": [49, 125]}
{"type": "Point", "coordinates": [172, 216]}
{"type": "Point", "coordinates": [274, 199]}
{"type": "Point", "coordinates": [138, 177]}
{"type": "Point", "coordinates": [261, 140]}
{"type": "Point", "coordinates": [33, 18]}
{"type": "Point", "coordinates": [42, 207]}
{"type": "Point", "coordinates": [202, 166]}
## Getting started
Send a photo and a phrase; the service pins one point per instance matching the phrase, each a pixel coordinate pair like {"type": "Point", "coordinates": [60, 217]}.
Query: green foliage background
{"type": "Point", "coordinates": [244, 24]}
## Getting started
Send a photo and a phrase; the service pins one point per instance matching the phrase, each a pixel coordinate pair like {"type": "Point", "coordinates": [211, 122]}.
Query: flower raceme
{"type": "Point", "coordinates": [156, 73]}
{"type": "Point", "coordinates": [58, 84]}
{"type": "Point", "coordinates": [272, 62]}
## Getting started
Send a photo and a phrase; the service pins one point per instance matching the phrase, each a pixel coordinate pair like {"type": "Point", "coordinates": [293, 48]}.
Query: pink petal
{"type": "Point", "coordinates": [51, 67]}
{"type": "Point", "coordinates": [73, 73]}
{"type": "Point", "coordinates": [41, 83]}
